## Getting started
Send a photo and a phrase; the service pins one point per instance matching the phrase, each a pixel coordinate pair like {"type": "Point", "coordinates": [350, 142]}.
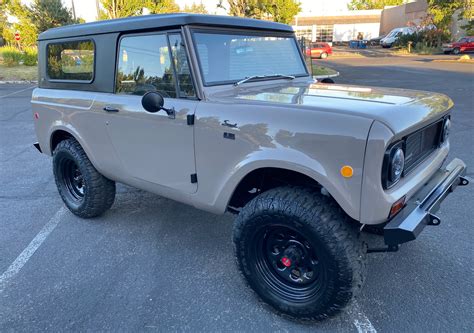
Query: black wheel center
{"type": "Point", "coordinates": [73, 179]}
{"type": "Point", "coordinates": [288, 258]}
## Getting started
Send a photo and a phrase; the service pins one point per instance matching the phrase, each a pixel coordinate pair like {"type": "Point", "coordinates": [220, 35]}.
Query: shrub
{"type": "Point", "coordinates": [11, 56]}
{"type": "Point", "coordinates": [429, 38]}
{"type": "Point", "coordinates": [30, 56]}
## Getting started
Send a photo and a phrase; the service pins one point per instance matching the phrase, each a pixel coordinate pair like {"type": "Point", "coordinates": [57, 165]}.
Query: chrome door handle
{"type": "Point", "coordinates": [111, 109]}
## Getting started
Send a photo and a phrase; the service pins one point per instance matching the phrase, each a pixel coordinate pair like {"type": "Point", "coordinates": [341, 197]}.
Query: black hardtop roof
{"type": "Point", "coordinates": [159, 21]}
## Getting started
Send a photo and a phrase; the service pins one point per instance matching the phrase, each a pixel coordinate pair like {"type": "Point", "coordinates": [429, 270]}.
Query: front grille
{"type": "Point", "coordinates": [421, 144]}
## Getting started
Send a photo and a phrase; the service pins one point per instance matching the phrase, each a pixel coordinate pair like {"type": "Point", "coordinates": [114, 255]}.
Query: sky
{"type": "Point", "coordinates": [87, 8]}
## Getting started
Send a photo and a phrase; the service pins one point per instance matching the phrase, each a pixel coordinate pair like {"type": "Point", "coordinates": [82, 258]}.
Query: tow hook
{"type": "Point", "coordinates": [463, 181]}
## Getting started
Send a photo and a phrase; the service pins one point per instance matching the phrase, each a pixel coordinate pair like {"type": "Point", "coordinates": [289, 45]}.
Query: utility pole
{"type": "Point", "coordinates": [97, 7]}
{"type": "Point", "coordinates": [73, 10]}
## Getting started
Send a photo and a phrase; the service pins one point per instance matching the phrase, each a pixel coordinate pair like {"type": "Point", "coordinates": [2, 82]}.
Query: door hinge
{"type": "Point", "coordinates": [190, 119]}
{"type": "Point", "coordinates": [194, 178]}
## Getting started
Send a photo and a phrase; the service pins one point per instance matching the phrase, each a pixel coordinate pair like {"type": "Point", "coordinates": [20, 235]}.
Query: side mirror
{"type": "Point", "coordinates": [153, 102]}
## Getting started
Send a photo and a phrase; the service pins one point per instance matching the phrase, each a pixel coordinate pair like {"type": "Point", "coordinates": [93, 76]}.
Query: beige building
{"type": "Point", "coordinates": [342, 26]}
{"type": "Point", "coordinates": [401, 16]}
{"type": "Point", "coordinates": [338, 26]}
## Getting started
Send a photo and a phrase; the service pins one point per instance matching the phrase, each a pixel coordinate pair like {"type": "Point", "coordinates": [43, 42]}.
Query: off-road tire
{"type": "Point", "coordinates": [98, 191]}
{"type": "Point", "coordinates": [326, 227]}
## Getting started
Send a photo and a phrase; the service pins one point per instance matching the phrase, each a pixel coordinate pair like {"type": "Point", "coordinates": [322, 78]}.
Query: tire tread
{"type": "Point", "coordinates": [326, 218]}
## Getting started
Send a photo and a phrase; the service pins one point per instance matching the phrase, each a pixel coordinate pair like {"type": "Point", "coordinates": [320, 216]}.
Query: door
{"type": "Point", "coordinates": [470, 45]}
{"type": "Point", "coordinates": [153, 146]}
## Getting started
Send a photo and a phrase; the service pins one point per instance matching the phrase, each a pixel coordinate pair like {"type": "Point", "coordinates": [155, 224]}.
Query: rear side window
{"type": "Point", "coordinates": [144, 64]}
{"type": "Point", "coordinates": [71, 61]}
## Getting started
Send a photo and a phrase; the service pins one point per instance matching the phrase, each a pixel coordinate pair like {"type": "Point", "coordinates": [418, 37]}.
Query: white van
{"type": "Point", "coordinates": [393, 36]}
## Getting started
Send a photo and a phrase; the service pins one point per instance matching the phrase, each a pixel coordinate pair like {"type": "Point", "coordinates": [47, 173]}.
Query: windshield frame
{"type": "Point", "coordinates": [242, 32]}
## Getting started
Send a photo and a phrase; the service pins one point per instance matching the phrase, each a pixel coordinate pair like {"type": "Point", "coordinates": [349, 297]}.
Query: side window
{"type": "Point", "coordinates": [183, 73]}
{"type": "Point", "coordinates": [71, 60]}
{"type": "Point", "coordinates": [144, 65]}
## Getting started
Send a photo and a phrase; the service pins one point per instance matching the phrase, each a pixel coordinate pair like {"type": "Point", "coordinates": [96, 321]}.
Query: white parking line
{"type": "Point", "coordinates": [24, 256]}
{"type": "Point", "coordinates": [360, 320]}
{"type": "Point", "coordinates": [16, 92]}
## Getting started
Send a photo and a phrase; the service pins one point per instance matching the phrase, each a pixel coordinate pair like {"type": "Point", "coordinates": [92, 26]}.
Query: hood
{"type": "Point", "coordinates": [400, 109]}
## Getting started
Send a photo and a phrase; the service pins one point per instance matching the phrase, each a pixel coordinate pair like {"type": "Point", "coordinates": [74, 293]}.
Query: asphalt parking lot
{"type": "Point", "coordinates": [153, 264]}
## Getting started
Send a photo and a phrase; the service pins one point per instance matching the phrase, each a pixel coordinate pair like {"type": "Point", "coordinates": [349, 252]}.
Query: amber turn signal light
{"type": "Point", "coordinates": [397, 207]}
{"type": "Point", "coordinates": [347, 171]}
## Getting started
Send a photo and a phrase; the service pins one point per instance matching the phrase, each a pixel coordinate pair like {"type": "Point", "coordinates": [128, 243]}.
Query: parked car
{"type": "Point", "coordinates": [394, 35]}
{"type": "Point", "coordinates": [222, 113]}
{"type": "Point", "coordinates": [464, 44]}
{"type": "Point", "coordinates": [376, 41]}
{"type": "Point", "coordinates": [319, 50]}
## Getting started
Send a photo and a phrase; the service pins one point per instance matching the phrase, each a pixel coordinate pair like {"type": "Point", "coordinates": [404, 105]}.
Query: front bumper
{"type": "Point", "coordinates": [420, 209]}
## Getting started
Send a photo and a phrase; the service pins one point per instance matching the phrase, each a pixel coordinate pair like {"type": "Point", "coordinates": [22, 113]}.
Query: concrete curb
{"type": "Point", "coordinates": [19, 82]}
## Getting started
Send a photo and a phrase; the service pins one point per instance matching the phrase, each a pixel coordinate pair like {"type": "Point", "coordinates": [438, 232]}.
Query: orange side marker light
{"type": "Point", "coordinates": [347, 171]}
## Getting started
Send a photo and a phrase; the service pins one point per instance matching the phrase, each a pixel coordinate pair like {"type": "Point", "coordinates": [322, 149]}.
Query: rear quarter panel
{"type": "Point", "coordinates": [74, 112]}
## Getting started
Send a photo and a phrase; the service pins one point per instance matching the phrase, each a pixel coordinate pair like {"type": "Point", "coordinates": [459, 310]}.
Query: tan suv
{"type": "Point", "coordinates": [222, 114]}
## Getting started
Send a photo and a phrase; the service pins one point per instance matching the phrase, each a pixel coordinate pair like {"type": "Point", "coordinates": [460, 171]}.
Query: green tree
{"type": "Point", "coordinates": [3, 18]}
{"type": "Point", "coordinates": [442, 11]}
{"type": "Point", "coordinates": [195, 8]}
{"type": "Point", "coordinates": [112, 9]}
{"type": "Point", "coordinates": [24, 25]}
{"type": "Point", "coordinates": [469, 28]}
{"type": "Point", "coordinates": [47, 14]}
{"type": "Point", "coordinates": [277, 10]}
{"type": "Point", "coordinates": [282, 11]}
{"type": "Point", "coordinates": [373, 4]}
{"type": "Point", "coordinates": [242, 8]}
{"type": "Point", "coordinates": [41, 15]}
{"type": "Point", "coordinates": [161, 6]}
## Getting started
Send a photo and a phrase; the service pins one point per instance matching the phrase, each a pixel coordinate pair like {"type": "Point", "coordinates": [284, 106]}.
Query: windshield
{"type": "Point", "coordinates": [231, 57]}
{"type": "Point", "coordinates": [393, 33]}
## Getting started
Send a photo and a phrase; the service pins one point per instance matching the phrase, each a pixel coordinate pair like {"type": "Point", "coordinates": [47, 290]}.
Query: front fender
{"type": "Point", "coordinates": [345, 191]}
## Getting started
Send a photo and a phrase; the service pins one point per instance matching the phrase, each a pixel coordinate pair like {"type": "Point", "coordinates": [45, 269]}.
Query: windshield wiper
{"type": "Point", "coordinates": [256, 77]}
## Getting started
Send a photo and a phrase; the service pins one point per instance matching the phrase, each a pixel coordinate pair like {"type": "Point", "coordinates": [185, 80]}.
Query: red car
{"type": "Point", "coordinates": [319, 50]}
{"type": "Point", "coordinates": [464, 44]}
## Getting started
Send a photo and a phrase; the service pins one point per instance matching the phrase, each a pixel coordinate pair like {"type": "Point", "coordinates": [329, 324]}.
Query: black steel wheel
{"type": "Point", "coordinates": [299, 253]}
{"type": "Point", "coordinates": [72, 179]}
{"type": "Point", "coordinates": [288, 262]}
{"type": "Point", "coordinates": [83, 189]}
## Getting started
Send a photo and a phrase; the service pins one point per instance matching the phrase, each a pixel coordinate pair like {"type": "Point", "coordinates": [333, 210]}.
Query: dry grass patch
{"type": "Point", "coordinates": [18, 73]}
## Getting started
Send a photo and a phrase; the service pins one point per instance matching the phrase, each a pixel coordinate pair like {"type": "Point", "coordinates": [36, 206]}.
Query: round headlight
{"type": "Point", "coordinates": [446, 129]}
{"type": "Point", "coordinates": [397, 164]}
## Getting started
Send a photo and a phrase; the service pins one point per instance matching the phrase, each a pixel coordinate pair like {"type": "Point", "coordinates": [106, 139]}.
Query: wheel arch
{"type": "Point", "coordinates": [57, 136]}
{"type": "Point", "coordinates": [282, 175]}
{"type": "Point", "coordinates": [262, 179]}
{"type": "Point", "coordinates": [60, 133]}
